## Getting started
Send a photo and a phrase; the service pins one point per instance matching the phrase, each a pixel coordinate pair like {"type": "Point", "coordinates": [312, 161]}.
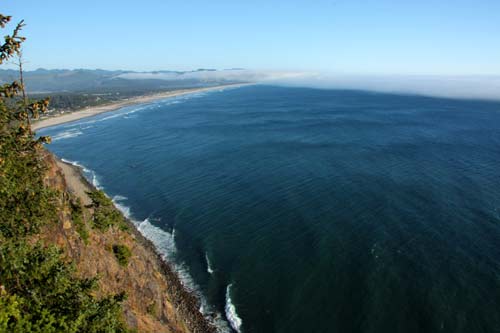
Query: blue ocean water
{"type": "Point", "coordinates": [306, 210]}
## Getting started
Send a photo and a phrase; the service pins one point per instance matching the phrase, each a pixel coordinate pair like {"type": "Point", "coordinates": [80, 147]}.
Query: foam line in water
{"type": "Point", "coordinates": [71, 133]}
{"type": "Point", "coordinates": [231, 314]}
{"type": "Point", "coordinates": [209, 265]}
{"type": "Point", "coordinates": [164, 243]}
{"type": "Point", "coordinates": [119, 198]}
{"type": "Point", "coordinates": [117, 201]}
{"type": "Point", "coordinates": [126, 111]}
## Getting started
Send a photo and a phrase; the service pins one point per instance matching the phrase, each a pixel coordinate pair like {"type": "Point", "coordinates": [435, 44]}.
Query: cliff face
{"type": "Point", "coordinates": [156, 300]}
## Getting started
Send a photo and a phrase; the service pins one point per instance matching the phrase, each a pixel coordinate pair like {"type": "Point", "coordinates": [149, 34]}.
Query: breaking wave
{"type": "Point", "coordinates": [71, 133]}
{"type": "Point", "coordinates": [231, 314]}
{"type": "Point", "coordinates": [209, 265]}
{"type": "Point", "coordinates": [90, 175]}
{"type": "Point", "coordinates": [127, 111]}
{"type": "Point", "coordinates": [164, 243]}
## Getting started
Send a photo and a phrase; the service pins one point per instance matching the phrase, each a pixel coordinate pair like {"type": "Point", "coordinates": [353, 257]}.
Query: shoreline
{"type": "Point", "coordinates": [93, 111]}
{"type": "Point", "coordinates": [186, 302]}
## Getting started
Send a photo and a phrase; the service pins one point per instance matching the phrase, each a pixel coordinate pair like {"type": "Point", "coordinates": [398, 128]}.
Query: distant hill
{"type": "Point", "coordinates": [98, 80]}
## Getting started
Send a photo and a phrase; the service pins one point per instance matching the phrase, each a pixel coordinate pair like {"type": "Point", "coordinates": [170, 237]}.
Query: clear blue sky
{"type": "Point", "coordinates": [344, 36]}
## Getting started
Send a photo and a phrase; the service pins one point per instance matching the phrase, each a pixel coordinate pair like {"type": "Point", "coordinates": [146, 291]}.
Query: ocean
{"type": "Point", "coordinates": [307, 210]}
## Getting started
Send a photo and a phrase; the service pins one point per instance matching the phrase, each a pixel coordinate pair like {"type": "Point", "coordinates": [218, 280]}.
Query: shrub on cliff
{"type": "Point", "coordinates": [122, 254]}
{"type": "Point", "coordinates": [78, 219]}
{"type": "Point", "coordinates": [105, 214]}
{"type": "Point", "coordinates": [42, 292]}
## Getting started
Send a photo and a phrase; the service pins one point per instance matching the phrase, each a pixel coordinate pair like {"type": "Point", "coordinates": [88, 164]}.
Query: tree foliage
{"type": "Point", "coordinates": [44, 295]}
{"type": "Point", "coordinates": [39, 291]}
{"type": "Point", "coordinates": [24, 200]}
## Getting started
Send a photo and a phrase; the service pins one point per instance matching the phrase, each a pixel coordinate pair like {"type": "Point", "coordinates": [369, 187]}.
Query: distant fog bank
{"type": "Point", "coordinates": [467, 87]}
{"type": "Point", "coordinates": [82, 80]}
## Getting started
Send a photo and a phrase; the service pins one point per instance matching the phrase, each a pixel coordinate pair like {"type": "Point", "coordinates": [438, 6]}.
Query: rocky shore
{"type": "Point", "coordinates": [156, 300]}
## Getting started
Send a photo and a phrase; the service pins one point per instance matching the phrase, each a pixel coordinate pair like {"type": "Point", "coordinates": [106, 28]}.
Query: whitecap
{"type": "Point", "coordinates": [72, 133]}
{"type": "Point", "coordinates": [209, 265]}
{"type": "Point", "coordinates": [163, 240]}
{"type": "Point", "coordinates": [123, 112]}
{"type": "Point", "coordinates": [119, 198]}
{"type": "Point", "coordinates": [231, 314]}
{"type": "Point", "coordinates": [111, 117]}
{"type": "Point", "coordinates": [164, 243]}
{"type": "Point", "coordinates": [122, 208]}
{"type": "Point", "coordinates": [95, 181]}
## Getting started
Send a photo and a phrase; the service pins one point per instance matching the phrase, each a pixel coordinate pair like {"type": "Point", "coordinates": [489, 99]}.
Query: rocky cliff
{"type": "Point", "coordinates": [156, 300]}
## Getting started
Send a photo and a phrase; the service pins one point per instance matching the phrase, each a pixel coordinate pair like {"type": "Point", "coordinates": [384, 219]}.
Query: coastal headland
{"type": "Point", "coordinates": [156, 300]}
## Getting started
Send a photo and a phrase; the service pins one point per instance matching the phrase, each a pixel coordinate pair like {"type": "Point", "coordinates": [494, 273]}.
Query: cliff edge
{"type": "Point", "coordinates": [156, 301]}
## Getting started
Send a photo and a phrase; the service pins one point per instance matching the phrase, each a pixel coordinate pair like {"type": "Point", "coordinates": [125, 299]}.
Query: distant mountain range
{"type": "Point", "coordinates": [98, 80]}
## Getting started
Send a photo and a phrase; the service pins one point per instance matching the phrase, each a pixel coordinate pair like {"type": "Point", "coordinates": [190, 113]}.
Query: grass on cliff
{"type": "Point", "coordinates": [39, 290]}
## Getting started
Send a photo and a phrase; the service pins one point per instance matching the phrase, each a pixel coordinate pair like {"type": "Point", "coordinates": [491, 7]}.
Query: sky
{"type": "Point", "coordinates": [363, 37]}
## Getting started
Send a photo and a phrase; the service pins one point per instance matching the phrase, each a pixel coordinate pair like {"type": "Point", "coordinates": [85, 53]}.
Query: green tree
{"type": "Point", "coordinates": [46, 294]}
{"type": "Point", "coordinates": [21, 186]}
{"type": "Point", "coordinates": [39, 291]}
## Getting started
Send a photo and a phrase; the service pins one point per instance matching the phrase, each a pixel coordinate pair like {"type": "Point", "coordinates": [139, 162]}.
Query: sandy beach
{"type": "Point", "coordinates": [92, 111]}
